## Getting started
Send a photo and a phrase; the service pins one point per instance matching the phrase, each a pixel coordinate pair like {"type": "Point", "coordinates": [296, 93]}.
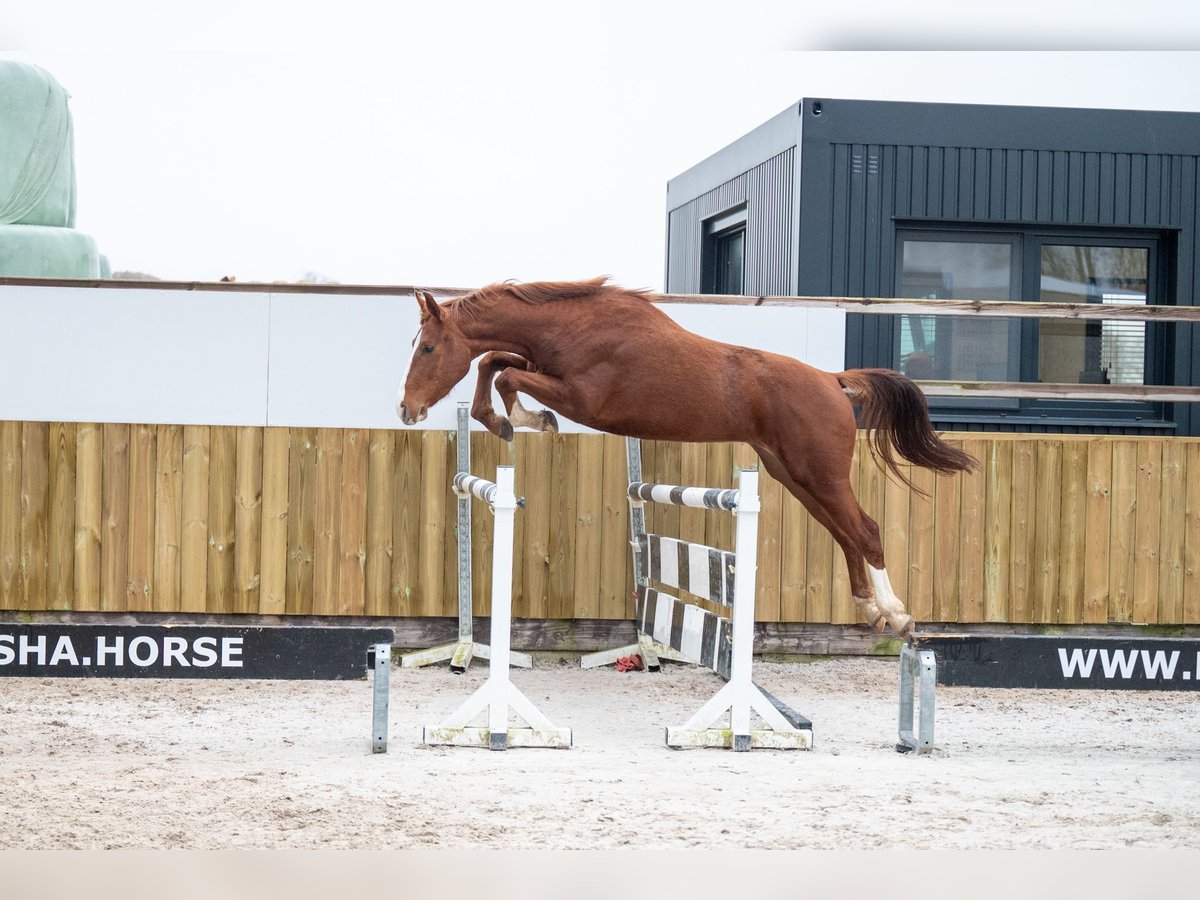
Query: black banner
{"type": "Point", "coordinates": [1041, 661]}
{"type": "Point", "coordinates": [187, 651]}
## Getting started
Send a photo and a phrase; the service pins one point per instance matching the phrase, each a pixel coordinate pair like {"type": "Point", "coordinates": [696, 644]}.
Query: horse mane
{"type": "Point", "coordinates": [540, 292]}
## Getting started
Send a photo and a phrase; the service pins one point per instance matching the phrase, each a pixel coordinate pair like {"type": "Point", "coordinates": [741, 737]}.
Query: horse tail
{"type": "Point", "coordinates": [896, 417]}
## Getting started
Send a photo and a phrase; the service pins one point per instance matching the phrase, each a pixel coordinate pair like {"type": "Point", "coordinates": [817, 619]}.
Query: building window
{"type": "Point", "coordinates": [1067, 267]}
{"type": "Point", "coordinates": [722, 258]}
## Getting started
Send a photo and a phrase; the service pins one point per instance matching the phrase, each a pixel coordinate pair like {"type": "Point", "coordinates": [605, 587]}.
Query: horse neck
{"type": "Point", "coordinates": [527, 330]}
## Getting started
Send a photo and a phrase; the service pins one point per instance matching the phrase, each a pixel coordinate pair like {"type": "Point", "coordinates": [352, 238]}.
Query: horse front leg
{"type": "Point", "coordinates": [543, 388]}
{"type": "Point", "coordinates": [481, 405]}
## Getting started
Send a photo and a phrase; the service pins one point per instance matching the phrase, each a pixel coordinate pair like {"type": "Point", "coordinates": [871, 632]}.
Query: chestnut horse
{"type": "Point", "coordinates": [610, 359]}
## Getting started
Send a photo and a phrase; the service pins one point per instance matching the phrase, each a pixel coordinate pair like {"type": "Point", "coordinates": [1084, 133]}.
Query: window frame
{"type": "Point", "coordinates": [714, 230]}
{"type": "Point", "coordinates": [1029, 240]}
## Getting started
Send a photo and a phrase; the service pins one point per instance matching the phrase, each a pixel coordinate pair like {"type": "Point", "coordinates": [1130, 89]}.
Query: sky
{"type": "Point", "coordinates": [461, 144]}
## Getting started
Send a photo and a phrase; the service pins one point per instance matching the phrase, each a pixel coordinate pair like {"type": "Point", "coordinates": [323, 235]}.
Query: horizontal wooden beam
{"type": "Point", "coordinates": [1145, 392]}
{"type": "Point", "coordinates": [1013, 309]}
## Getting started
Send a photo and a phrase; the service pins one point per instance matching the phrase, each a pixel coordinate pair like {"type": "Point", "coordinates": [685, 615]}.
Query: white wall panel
{"type": "Point", "coordinates": [146, 356]}
{"type": "Point", "coordinates": [290, 359]}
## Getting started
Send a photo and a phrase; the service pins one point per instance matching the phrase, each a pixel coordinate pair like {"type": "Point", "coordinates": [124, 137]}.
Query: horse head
{"type": "Point", "coordinates": [441, 359]}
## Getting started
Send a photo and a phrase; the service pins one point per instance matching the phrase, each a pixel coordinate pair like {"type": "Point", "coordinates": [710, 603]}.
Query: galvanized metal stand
{"type": "Point", "coordinates": [917, 667]}
{"type": "Point", "coordinates": [381, 667]}
{"type": "Point", "coordinates": [498, 695]}
{"type": "Point", "coordinates": [466, 648]}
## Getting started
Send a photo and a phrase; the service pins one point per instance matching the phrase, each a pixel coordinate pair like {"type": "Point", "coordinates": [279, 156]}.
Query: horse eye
{"type": "Point", "coordinates": [426, 348]}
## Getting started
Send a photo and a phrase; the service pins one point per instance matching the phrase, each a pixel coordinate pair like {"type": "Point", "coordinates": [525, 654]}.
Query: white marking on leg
{"type": "Point", "coordinates": [890, 605]}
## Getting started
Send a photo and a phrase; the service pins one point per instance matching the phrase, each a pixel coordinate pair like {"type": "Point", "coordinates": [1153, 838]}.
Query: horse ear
{"type": "Point", "coordinates": [429, 306]}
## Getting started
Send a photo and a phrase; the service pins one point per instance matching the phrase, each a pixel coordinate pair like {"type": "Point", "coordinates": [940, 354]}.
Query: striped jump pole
{"type": "Point", "coordinates": [498, 695]}
{"type": "Point", "coordinates": [466, 648]}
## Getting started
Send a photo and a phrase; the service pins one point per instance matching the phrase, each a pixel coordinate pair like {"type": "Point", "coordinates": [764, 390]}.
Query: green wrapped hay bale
{"type": "Point", "coordinates": [37, 164]}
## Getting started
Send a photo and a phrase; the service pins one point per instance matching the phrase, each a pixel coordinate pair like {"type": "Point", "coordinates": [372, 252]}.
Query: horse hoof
{"type": "Point", "coordinates": [506, 431]}
{"type": "Point", "coordinates": [879, 624]}
{"type": "Point", "coordinates": [549, 422]}
{"type": "Point", "coordinates": [904, 627]}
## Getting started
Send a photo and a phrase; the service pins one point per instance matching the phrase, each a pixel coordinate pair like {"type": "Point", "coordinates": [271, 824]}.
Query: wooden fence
{"type": "Point", "coordinates": [360, 522]}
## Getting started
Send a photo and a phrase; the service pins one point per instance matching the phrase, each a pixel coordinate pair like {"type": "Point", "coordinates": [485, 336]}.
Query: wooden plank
{"type": "Point", "coordinates": [589, 517]}
{"type": "Point", "coordinates": [327, 521]}
{"type": "Point", "coordinates": [821, 555]}
{"type": "Point", "coordinates": [193, 557]}
{"type": "Point", "coordinates": [1022, 540]}
{"type": "Point", "coordinates": [1098, 515]}
{"type": "Point", "coordinates": [1123, 540]}
{"type": "Point", "coordinates": [997, 554]}
{"type": "Point", "coordinates": [669, 471]}
{"type": "Point", "coordinates": [449, 546]}
{"type": "Point", "coordinates": [406, 523]}
{"type": "Point", "coordinates": [1172, 517]}
{"type": "Point", "coordinates": [971, 525]}
{"type": "Point", "coordinates": [1047, 518]}
{"type": "Point", "coordinates": [719, 530]}
{"type": "Point", "coordinates": [1191, 558]}
{"type": "Point", "coordinates": [143, 461]}
{"type": "Point", "coordinates": [222, 480]}
{"type": "Point", "coordinates": [1148, 541]}
{"type": "Point", "coordinates": [302, 505]}
{"type": "Point", "coordinates": [114, 538]}
{"type": "Point", "coordinates": [60, 574]}
{"type": "Point", "coordinates": [35, 514]}
{"type": "Point", "coordinates": [10, 515]}
{"type": "Point", "coordinates": [275, 457]}
{"type": "Point", "coordinates": [693, 472]}
{"type": "Point", "coordinates": [616, 579]}
{"type": "Point", "coordinates": [1048, 391]}
{"type": "Point", "coordinates": [537, 516]}
{"type": "Point", "coordinates": [89, 481]}
{"type": "Point", "coordinates": [921, 530]}
{"type": "Point", "coordinates": [168, 518]}
{"type": "Point", "coordinates": [1074, 532]}
{"type": "Point", "coordinates": [770, 536]}
{"type": "Point", "coordinates": [380, 499]}
{"type": "Point", "coordinates": [248, 520]}
{"type": "Point", "coordinates": [435, 529]}
{"type": "Point", "coordinates": [793, 567]}
{"type": "Point", "coordinates": [948, 509]}
{"type": "Point", "coordinates": [487, 453]}
{"type": "Point", "coordinates": [352, 549]}
{"type": "Point", "coordinates": [564, 499]}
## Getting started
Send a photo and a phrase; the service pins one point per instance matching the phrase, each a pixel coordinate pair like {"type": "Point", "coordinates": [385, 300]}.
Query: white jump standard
{"type": "Point", "coordinates": [461, 652]}
{"type": "Point", "coordinates": [498, 695]}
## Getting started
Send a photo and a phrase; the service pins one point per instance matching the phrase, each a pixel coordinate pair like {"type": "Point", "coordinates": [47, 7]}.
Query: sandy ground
{"type": "Point", "coordinates": [209, 764]}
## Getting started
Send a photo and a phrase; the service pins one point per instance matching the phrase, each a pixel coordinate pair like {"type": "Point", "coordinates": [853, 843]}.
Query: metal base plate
{"type": "Point", "coordinates": [550, 738]}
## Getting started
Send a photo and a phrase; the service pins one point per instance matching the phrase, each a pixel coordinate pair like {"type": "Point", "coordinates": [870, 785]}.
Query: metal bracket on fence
{"type": "Point", "coordinates": [917, 666]}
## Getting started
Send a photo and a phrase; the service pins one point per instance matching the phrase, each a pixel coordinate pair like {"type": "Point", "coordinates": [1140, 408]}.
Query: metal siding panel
{"type": "Point", "coordinates": [920, 181]}
{"type": "Point", "coordinates": [1060, 186]}
{"type": "Point", "coordinates": [902, 193]}
{"type": "Point", "coordinates": [1075, 187]}
{"type": "Point", "coordinates": [1045, 186]}
{"type": "Point", "coordinates": [1029, 186]}
{"type": "Point", "coordinates": [982, 178]}
{"type": "Point", "coordinates": [1137, 188]}
{"type": "Point", "coordinates": [1091, 188]}
{"type": "Point", "coordinates": [1012, 184]}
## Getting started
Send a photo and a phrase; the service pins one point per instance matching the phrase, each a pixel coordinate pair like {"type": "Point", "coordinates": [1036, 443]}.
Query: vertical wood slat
{"type": "Point", "coordinates": [615, 557]}
{"type": "Point", "coordinates": [693, 471]}
{"type": "Point", "coordinates": [793, 569]}
{"type": "Point", "coordinates": [114, 537]}
{"type": "Point", "coordinates": [948, 506]}
{"type": "Point", "coordinates": [352, 526]}
{"type": "Point", "coordinates": [1145, 570]}
{"type": "Point", "coordinates": [35, 514]}
{"type": "Point", "coordinates": [1123, 546]}
{"type": "Point", "coordinates": [193, 555]}
{"type": "Point", "coordinates": [1098, 514]}
{"type": "Point", "coordinates": [248, 520]}
{"type": "Point", "coordinates": [10, 515]}
{"type": "Point", "coordinates": [1046, 528]}
{"type": "Point", "coordinates": [143, 503]}
{"type": "Point", "coordinates": [327, 518]}
{"type": "Point", "coordinates": [997, 544]}
{"type": "Point", "coordinates": [60, 572]}
{"type": "Point", "coordinates": [435, 529]}
{"type": "Point", "coordinates": [1023, 540]}
{"type": "Point", "coordinates": [380, 500]}
{"type": "Point", "coordinates": [564, 479]}
{"type": "Point", "coordinates": [1191, 541]}
{"type": "Point", "coordinates": [301, 536]}
{"type": "Point", "coordinates": [487, 453]}
{"type": "Point", "coordinates": [275, 517]}
{"type": "Point", "coordinates": [222, 480]}
{"type": "Point", "coordinates": [770, 550]}
{"type": "Point", "coordinates": [406, 523]}
{"type": "Point", "coordinates": [89, 452]}
{"type": "Point", "coordinates": [1171, 531]}
{"type": "Point", "coordinates": [972, 523]}
{"type": "Point", "coordinates": [1071, 541]}
{"type": "Point", "coordinates": [921, 525]}
{"type": "Point", "coordinates": [588, 532]}
{"type": "Point", "coordinates": [168, 518]}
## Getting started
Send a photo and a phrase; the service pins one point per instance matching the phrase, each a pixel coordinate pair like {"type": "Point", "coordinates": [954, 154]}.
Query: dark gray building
{"type": "Point", "coordinates": [873, 199]}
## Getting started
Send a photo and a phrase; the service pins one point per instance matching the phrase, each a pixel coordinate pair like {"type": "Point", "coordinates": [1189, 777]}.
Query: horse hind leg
{"type": "Point", "coordinates": [860, 585]}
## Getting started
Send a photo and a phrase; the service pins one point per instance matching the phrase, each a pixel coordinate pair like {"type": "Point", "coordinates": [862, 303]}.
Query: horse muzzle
{"type": "Point", "coordinates": [408, 418]}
